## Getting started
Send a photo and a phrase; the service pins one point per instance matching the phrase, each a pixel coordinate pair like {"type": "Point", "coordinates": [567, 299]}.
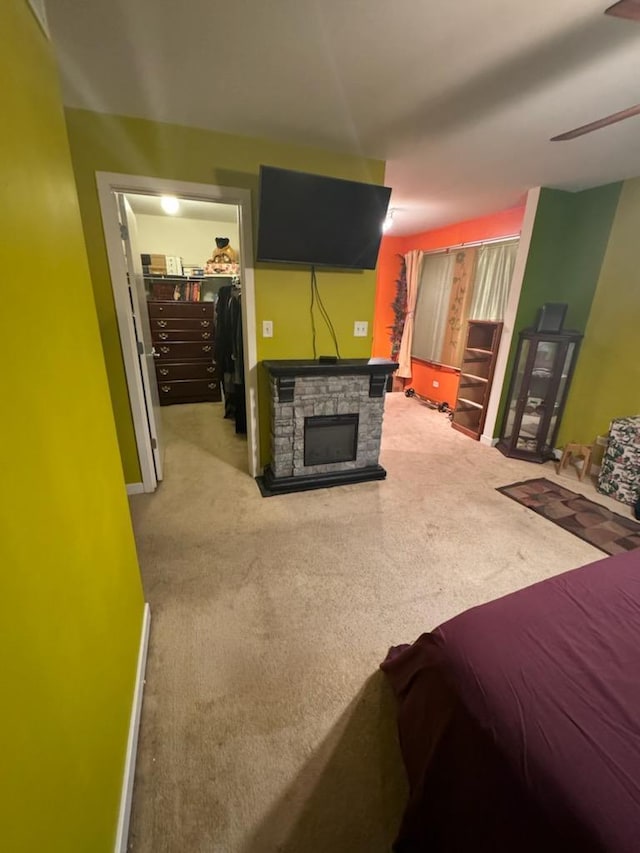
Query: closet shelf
{"type": "Point", "coordinates": [471, 403]}
{"type": "Point", "coordinates": [161, 277]}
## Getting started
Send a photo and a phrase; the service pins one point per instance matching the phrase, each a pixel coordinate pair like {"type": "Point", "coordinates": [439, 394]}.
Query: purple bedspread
{"type": "Point", "coordinates": [519, 720]}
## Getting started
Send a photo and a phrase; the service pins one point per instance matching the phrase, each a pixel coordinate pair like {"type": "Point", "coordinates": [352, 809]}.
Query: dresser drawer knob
{"type": "Point", "coordinates": [213, 385]}
{"type": "Point", "coordinates": [160, 308]}
{"type": "Point", "coordinates": [205, 335]}
{"type": "Point", "coordinates": [165, 350]}
{"type": "Point", "coordinates": [161, 323]}
{"type": "Point", "coordinates": [164, 371]}
{"type": "Point", "coordinates": [206, 349]}
{"type": "Point", "coordinates": [165, 388]}
{"type": "Point", "coordinates": [211, 369]}
{"type": "Point", "coordinates": [164, 336]}
{"type": "Point", "coordinates": [205, 322]}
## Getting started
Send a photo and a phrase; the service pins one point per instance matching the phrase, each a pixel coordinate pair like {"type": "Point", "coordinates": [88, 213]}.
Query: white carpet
{"type": "Point", "coordinates": [266, 725]}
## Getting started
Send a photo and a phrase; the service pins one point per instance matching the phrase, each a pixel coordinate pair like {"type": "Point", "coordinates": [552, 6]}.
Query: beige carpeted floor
{"type": "Point", "coordinates": [266, 725]}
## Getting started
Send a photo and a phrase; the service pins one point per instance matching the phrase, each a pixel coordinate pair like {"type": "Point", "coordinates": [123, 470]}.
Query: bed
{"type": "Point", "coordinates": [519, 720]}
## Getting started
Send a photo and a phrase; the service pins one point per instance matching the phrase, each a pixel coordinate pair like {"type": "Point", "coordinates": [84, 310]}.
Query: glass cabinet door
{"type": "Point", "coordinates": [516, 390]}
{"type": "Point", "coordinates": [537, 396]}
{"type": "Point", "coordinates": [559, 396]}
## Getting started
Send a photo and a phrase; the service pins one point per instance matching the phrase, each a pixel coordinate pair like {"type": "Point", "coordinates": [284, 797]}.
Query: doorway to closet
{"type": "Point", "coordinates": [182, 279]}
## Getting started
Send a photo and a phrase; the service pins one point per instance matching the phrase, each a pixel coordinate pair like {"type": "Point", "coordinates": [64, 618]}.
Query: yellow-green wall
{"type": "Point", "coordinates": [110, 143]}
{"type": "Point", "coordinates": [569, 239]}
{"type": "Point", "coordinates": [606, 384]}
{"type": "Point", "coordinates": [70, 600]}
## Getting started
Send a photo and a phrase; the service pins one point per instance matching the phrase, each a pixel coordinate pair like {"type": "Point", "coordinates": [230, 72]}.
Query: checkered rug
{"type": "Point", "coordinates": [606, 530]}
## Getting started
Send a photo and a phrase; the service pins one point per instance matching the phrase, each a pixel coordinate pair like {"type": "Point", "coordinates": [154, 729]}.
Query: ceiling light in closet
{"type": "Point", "coordinates": [169, 204]}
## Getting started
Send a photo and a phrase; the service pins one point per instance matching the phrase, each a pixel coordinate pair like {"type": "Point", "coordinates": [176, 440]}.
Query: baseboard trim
{"type": "Point", "coordinates": [135, 488]}
{"type": "Point", "coordinates": [122, 834]}
{"type": "Point", "coordinates": [271, 485]}
{"type": "Point", "coordinates": [489, 440]}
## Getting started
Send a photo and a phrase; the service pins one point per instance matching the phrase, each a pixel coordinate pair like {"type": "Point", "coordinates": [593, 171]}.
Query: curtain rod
{"type": "Point", "coordinates": [446, 249]}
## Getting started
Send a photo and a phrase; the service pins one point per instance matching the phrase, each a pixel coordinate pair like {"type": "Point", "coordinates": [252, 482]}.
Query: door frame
{"type": "Point", "coordinates": [109, 183]}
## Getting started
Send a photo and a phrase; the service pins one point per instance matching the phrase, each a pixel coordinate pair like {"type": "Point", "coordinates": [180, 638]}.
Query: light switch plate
{"type": "Point", "coordinates": [360, 329]}
{"type": "Point", "coordinates": [267, 328]}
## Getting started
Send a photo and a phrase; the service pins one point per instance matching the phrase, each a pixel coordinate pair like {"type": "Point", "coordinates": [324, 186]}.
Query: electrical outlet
{"type": "Point", "coordinates": [360, 329]}
{"type": "Point", "coordinates": [267, 328]}
{"type": "Point", "coordinates": [436, 384]}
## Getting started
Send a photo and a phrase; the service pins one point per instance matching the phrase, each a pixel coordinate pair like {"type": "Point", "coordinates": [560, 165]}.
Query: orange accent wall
{"type": "Point", "coordinates": [501, 224]}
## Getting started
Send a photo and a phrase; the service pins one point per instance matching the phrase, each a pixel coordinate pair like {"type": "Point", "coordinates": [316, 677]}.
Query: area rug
{"type": "Point", "coordinates": [606, 530]}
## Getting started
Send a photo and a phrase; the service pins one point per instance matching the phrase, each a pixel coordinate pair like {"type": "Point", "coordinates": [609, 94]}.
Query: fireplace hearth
{"type": "Point", "coordinates": [326, 423]}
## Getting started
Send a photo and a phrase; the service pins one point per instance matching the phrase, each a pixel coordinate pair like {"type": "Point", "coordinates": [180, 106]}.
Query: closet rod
{"type": "Point", "coordinates": [446, 249]}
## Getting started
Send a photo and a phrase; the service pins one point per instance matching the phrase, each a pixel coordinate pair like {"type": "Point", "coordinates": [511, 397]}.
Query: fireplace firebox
{"type": "Point", "coordinates": [330, 438]}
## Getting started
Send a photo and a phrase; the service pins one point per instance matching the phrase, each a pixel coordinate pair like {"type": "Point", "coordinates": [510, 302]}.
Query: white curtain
{"type": "Point", "coordinates": [413, 261]}
{"type": "Point", "coordinates": [432, 305]}
{"type": "Point", "coordinates": [492, 281]}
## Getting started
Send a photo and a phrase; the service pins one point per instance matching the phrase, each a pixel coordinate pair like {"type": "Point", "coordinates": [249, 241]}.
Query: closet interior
{"type": "Point", "coordinates": [190, 266]}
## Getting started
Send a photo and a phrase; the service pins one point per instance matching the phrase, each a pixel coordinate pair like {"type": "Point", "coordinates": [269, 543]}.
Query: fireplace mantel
{"type": "Point", "coordinates": [305, 391]}
{"type": "Point", "coordinates": [343, 367]}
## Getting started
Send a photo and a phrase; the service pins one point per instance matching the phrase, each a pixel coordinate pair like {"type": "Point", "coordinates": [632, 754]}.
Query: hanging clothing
{"type": "Point", "coordinates": [229, 354]}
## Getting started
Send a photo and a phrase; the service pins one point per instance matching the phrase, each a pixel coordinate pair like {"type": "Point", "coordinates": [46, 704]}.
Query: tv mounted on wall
{"type": "Point", "coordinates": [319, 221]}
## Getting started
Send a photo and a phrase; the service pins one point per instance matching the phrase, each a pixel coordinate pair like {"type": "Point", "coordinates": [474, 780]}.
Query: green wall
{"type": "Point", "coordinates": [606, 384]}
{"type": "Point", "coordinates": [110, 143]}
{"type": "Point", "coordinates": [568, 243]}
{"type": "Point", "coordinates": [71, 602]}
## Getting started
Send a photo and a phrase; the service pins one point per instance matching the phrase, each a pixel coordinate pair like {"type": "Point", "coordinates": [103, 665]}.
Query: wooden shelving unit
{"type": "Point", "coordinates": [476, 375]}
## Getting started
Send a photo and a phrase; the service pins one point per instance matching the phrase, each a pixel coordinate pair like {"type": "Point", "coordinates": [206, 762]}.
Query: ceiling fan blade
{"type": "Point", "coordinates": [629, 9]}
{"type": "Point", "coordinates": [596, 125]}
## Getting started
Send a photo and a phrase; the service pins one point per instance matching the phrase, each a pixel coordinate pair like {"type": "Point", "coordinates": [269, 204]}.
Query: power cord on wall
{"type": "Point", "coordinates": [313, 319]}
{"type": "Point", "coordinates": [315, 296]}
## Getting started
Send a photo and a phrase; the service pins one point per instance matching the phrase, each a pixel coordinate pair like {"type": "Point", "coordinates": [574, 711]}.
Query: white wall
{"type": "Point", "coordinates": [193, 240]}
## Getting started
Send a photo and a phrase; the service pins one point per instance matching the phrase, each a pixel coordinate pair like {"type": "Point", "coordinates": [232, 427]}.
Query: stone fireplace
{"type": "Point", "coordinates": [326, 423]}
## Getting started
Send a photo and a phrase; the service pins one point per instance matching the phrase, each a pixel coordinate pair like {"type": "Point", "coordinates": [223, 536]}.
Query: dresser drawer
{"type": "Point", "coordinates": [176, 335]}
{"type": "Point", "coordinates": [189, 391]}
{"type": "Point", "coordinates": [164, 324]}
{"type": "Point", "coordinates": [180, 309]}
{"type": "Point", "coordinates": [167, 372]}
{"type": "Point", "coordinates": [167, 351]}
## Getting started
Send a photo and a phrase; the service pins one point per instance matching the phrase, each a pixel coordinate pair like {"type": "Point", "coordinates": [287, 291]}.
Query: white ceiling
{"type": "Point", "coordinates": [211, 211]}
{"type": "Point", "coordinates": [460, 97]}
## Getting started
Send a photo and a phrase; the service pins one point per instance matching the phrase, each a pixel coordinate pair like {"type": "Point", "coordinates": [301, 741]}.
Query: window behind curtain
{"type": "Point", "coordinates": [486, 299]}
{"type": "Point", "coordinates": [433, 305]}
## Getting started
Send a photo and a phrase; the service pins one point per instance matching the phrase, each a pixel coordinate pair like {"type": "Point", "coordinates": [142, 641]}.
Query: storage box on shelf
{"type": "Point", "coordinates": [476, 375]}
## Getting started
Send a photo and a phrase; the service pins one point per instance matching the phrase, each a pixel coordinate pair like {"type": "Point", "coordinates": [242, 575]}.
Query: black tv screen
{"type": "Point", "coordinates": [312, 219]}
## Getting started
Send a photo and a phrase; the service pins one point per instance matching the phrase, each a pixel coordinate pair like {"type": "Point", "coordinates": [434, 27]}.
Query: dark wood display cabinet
{"type": "Point", "coordinates": [476, 376]}
{"type": "Point", "coordinates": [538, 390]}
{"type": "Point", "coordinates": [183, 340]}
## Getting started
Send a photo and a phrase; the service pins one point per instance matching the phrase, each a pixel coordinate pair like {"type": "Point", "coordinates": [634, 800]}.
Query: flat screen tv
{"type": "Point", "coordinates": [319, 221]}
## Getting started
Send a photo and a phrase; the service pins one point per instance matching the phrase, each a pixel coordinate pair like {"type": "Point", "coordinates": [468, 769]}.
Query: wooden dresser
{"type": "Point", "coordinates": [182, 334]}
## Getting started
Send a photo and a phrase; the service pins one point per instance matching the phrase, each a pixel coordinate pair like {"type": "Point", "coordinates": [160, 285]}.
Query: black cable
{"type": "Point", "coordinates": [313, 321]}
{"type": "Point", "coordinates": [324, 312]}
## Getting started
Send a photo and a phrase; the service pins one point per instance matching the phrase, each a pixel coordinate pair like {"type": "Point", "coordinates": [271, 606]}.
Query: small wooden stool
{"type": "Point", "coordinates": [577, 450]}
